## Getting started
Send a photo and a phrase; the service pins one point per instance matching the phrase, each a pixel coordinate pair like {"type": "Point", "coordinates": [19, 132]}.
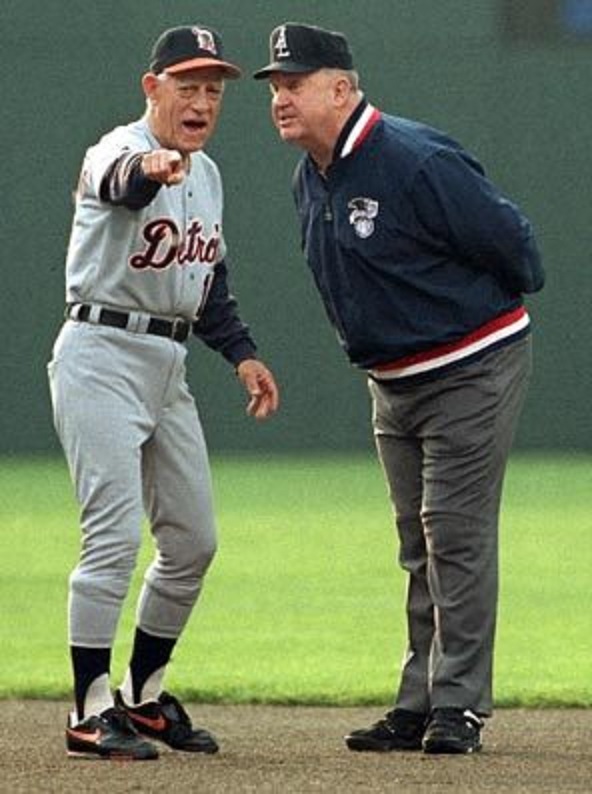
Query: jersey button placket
{"type": "Point", "coordinates": [185, 268]}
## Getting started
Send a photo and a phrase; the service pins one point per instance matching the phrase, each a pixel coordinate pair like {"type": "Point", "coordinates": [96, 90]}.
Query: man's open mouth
{"type": "Point", "coordinates": [194, 125]}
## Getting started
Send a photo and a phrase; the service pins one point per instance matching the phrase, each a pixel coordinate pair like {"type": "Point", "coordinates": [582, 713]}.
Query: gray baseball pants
{"type": "Point", "coordinates": [443, 446]}
{"type": "Point", "coordinates": [134, 445]}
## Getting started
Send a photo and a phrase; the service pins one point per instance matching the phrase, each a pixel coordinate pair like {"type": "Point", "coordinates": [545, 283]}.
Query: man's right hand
{"type": "Point", "coordinates": [165, 166]}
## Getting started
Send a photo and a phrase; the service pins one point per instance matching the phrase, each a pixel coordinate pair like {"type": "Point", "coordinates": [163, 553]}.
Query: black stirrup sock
{"type": "Point", "coordinates": [149, 654]}
{"type": "Point", "coordinates": [88, 664]}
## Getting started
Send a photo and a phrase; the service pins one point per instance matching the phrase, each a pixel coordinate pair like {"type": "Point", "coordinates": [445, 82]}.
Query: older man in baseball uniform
{"type": "Point", "coordinates": [146, 266]}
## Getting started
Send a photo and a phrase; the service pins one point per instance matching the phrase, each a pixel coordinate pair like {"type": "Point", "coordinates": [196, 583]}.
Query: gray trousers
{"type": "Point", "coordinates": [444, 445]}
{"type": "Point", "coordinates": [134, 445]}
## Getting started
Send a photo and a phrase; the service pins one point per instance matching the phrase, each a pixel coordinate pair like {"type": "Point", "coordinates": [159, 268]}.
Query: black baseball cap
{"type": "Point", "coordinates": [190, 47]}
{"type": "Point", "coordinates": [296, 48]}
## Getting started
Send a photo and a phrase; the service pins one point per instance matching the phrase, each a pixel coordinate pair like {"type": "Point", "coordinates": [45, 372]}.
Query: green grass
{"type": "Point", "coordinates": [304, 603]}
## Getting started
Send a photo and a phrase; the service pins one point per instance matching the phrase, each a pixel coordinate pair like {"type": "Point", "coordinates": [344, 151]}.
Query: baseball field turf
{"type": "Point", "coordinates": [304, 603]}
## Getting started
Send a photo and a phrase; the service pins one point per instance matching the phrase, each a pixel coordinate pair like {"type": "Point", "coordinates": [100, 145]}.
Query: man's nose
{"type": "Point", "coordinates": [199, 100]}
{"type": "Point", "coordinates": [280, 97]}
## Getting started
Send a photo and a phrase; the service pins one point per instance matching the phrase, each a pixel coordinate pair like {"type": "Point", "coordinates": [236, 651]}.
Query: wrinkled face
{"type": "Point", "coordinates": [184, 108]}
{"type": "Point", "coordinates": [302, 105]}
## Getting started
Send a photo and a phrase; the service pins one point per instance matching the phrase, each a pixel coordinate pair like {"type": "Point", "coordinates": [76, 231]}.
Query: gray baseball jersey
{"type": "Point", "coordinates": [122, 407]}
{"type": "Point", "coordinates": [157, 259]}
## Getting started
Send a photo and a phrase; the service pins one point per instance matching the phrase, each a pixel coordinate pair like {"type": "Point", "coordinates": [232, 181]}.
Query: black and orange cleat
{"type": "Point", "coordinates": [165, 719]}
{"type": "Point", "coordinates": [110, 735]}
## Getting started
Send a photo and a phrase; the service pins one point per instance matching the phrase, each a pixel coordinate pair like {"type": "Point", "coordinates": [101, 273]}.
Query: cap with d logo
{"type": "Point", "coordinates": [191, 47]}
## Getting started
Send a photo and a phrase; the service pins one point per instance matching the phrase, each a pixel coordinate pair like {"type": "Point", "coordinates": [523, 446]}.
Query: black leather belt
{"type": "Point", "coordinates": [176, 329]}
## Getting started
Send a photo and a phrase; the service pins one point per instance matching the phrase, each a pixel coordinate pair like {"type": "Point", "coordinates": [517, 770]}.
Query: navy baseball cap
{"type": "Point", "coordinates": [191, 47]}
{"type": "Point", "coordinates": [296, 48]}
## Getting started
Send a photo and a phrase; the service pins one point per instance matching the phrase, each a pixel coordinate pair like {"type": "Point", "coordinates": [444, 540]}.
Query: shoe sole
{"type": "Point", "coordinates": [194, 750]}
{"type": "Point", "coordinates": [153, 736]}
{"type": "Point", "coordinates": [81, 755]}
{"type": "Point", "coordinates": [211, 750]}
{"type": "Point", "coordinates": [448, 748]}
{"type": "Point", "coordinates": [360, 745]}
{"type": "Point", "coordinates": [91, 752]}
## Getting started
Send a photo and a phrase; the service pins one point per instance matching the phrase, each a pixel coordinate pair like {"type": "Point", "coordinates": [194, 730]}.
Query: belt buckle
{"type": "Point", "coordinates": [180, 330]}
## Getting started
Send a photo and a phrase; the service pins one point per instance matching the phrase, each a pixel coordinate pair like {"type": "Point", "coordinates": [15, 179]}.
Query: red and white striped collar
{"type": "Point", "coordinates": [357, 129]}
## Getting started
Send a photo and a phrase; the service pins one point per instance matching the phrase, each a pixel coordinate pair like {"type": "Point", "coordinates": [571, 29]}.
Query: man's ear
{"type": "Point", "coordinates": [341, 91]}
{"type": "Point", "coordinates": [150, 83]}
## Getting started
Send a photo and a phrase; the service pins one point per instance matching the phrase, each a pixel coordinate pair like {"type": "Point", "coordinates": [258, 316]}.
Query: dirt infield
{"type": "Point", "coordinates": [282, 749]}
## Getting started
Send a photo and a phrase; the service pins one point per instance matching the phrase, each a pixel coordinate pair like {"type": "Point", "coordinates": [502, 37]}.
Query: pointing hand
{"type": "Point", "coordinates": [165, 166]}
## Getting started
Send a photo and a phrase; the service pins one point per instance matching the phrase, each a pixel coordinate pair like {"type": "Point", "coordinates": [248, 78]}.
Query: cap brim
{"type": "Point", "coordinates": [288, 67]}
{"type": "Point", "coordinates": [228, 69]}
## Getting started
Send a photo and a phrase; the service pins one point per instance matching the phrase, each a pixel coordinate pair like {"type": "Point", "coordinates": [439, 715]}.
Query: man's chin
{"type": "Point", "coordinates": [288, 134]}
{"type": "Point", "coordinates": [193, 143]}
{"type": "Point", "coordinates": [188, 147]}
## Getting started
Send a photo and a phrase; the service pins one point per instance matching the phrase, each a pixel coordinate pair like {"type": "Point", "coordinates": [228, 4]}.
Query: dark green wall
{"type": "Point", "coordinates": [70, 70]}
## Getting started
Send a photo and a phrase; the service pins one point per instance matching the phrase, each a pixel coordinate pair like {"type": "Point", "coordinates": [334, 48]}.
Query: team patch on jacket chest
{"type": "Point", "coordinates": [163, 245]}
{"type": "Point", "coordinates": [362, 213]}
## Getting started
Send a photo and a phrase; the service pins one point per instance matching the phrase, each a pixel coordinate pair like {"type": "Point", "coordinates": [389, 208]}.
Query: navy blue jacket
{"type": "Point", "coordinates": [419, 259]}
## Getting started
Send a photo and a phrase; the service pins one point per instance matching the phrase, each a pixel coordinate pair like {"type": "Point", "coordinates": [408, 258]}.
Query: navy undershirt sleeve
{"type": "Point", "coordinates": [125, 184]}
{"type": "Point", "coordinates": [219, 324]}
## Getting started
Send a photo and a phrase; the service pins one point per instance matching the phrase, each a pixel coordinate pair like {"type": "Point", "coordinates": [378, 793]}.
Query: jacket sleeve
{"type": "Point", "coordinates": [124, 183]}
{"type": "Point", "coordinates": [219, 324]}
{"type": "Point", "coordinates": [457, 204]}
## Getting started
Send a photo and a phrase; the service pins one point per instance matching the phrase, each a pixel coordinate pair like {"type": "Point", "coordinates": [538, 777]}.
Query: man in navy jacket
{"type": "Point", "coordinates": [422, 265]}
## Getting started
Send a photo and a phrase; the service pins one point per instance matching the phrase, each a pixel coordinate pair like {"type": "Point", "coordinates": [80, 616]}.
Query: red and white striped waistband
{"type": "Point", "coordinates": [502, 327]}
